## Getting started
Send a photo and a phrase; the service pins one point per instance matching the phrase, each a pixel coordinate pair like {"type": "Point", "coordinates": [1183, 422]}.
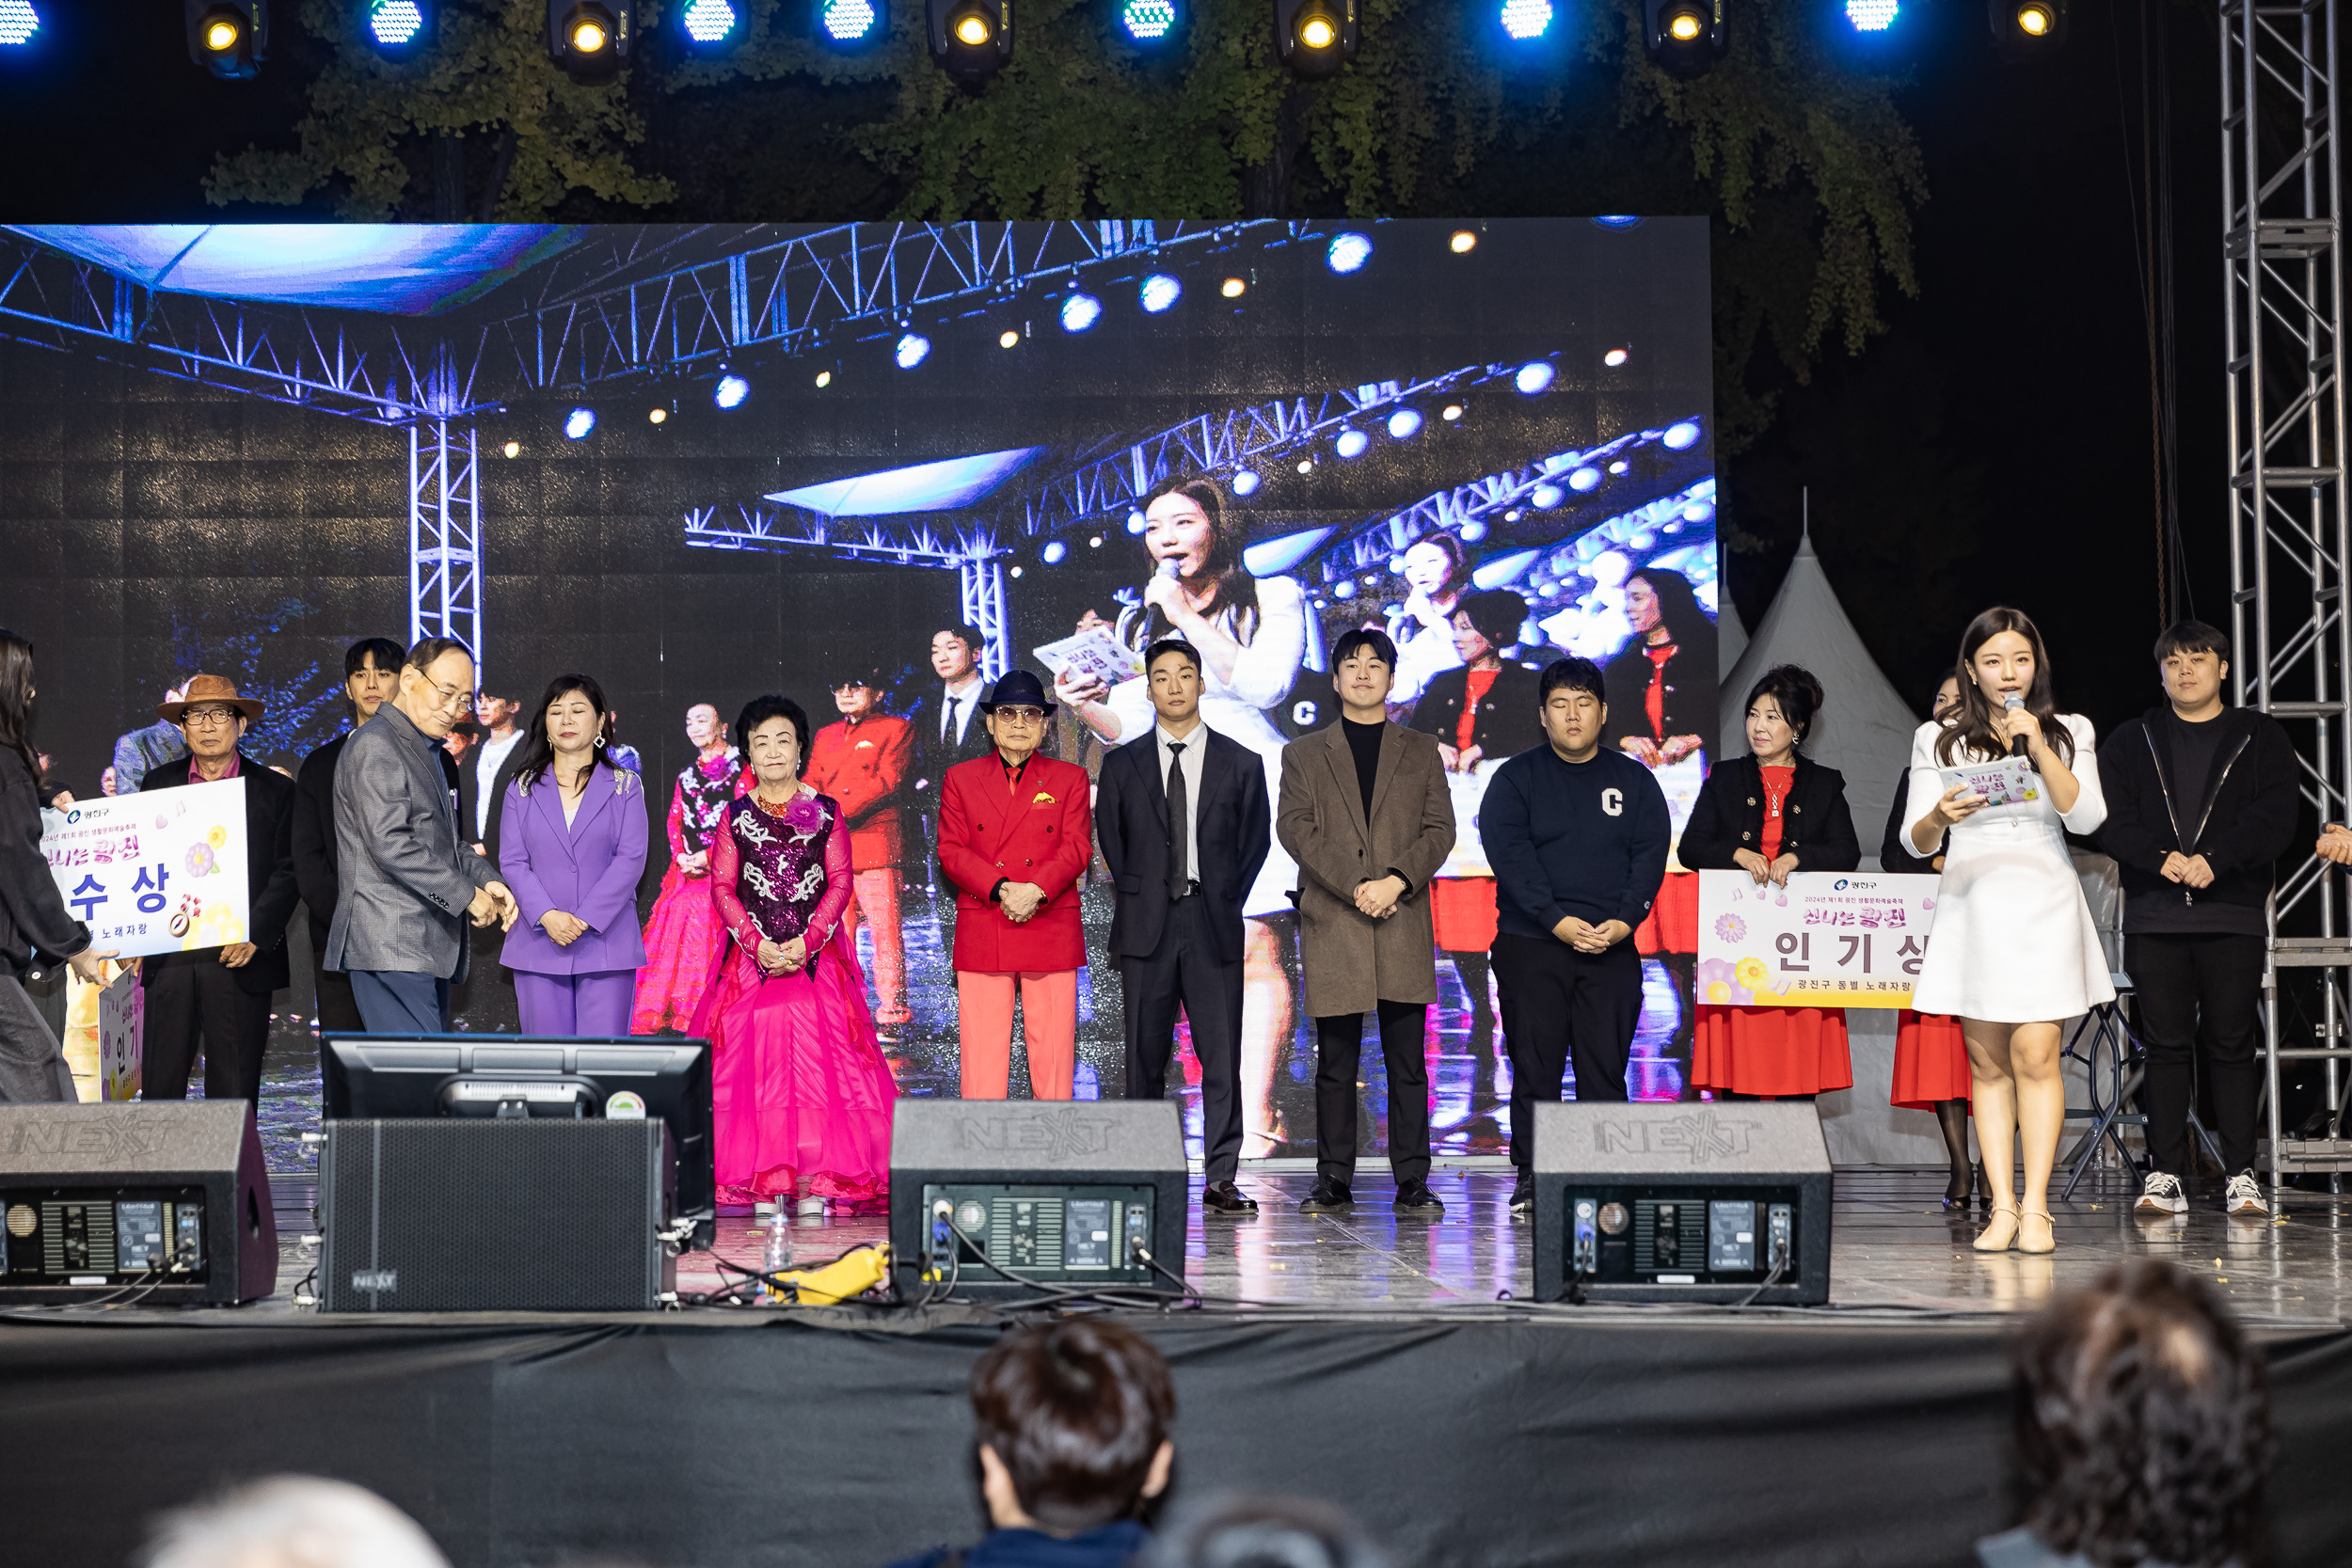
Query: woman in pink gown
{"type": "Point", "coordinates": [682, 935]}
{"type": "Point", "coordinates": [801, 1094]}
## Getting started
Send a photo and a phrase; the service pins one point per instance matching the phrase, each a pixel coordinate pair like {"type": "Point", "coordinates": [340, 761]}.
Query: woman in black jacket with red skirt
{"type": "Point", "coordinates": [1768, 814]}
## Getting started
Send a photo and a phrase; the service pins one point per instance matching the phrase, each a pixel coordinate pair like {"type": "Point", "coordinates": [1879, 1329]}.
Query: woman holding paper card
{"type": "Point", "coordinates": [1768, 814]}
{"type": "Point", "coordinates": [2013, 952]}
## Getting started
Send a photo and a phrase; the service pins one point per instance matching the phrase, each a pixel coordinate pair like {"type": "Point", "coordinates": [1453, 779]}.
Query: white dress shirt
{"type": "Point", "coordinates": [489, 755]}
{"type": "Point", "coordinates": [1195, 745]}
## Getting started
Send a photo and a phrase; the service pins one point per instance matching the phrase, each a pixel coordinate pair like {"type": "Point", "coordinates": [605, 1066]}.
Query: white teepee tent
{"type": "Point", "coordinates": [1732, 637]}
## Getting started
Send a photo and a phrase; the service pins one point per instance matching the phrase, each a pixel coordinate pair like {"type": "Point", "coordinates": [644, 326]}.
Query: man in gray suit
{"type": "Point", "coordinates": [409, 881]}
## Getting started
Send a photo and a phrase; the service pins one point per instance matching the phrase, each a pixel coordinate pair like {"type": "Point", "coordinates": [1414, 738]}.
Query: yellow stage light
{"type": "Point", "coordinates": [2033, 20]}
{"type": "Point", "coordinates": [1684, 27]}
{"type": "Point", "coordinates": [1464, 242]}
{"type": "Point", "coordinates": [1008, 337]}
{"type": "Point", "coordinates": [658, 415]}
{"type": "Point", "coordinates": [514, 449]}
{"type": "Point", "coordinates": [1234, 288]}
{"type": "Point", "coordinates": [221, 35]}
{"type": "Point", "coordinates": [971, 29]}
{"type": "Point", "coordinates": [1316, 32]}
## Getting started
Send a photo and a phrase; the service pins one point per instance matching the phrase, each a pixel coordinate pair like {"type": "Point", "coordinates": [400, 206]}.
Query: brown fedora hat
{"type": "Point", "coordinates": [208, 688]}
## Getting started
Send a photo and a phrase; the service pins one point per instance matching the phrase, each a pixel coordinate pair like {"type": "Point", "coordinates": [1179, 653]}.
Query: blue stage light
{"type": "Point", "coordinates": [1534, 377]}
{"type": "Point", "coordinates": [1584, 478]}
{"type": "Point", "coordinates": [848, 21]}
{"type": "Point", "coordinates": [1523, 20]}
{"type": "Point", "coordinates": [709, 22]}
{"type": "Point", "coordinates": [395, 24]}
{"type": "Point", "coordinates": [911, 350]}
{"type": "Point", "coordinates": [1472, 532]}
{"type": "Point", "coordinates": [1617, 221]}
{"type": "Point", "coordinates": [1148, 21]}
{"type": "Point", "coordinates": [1404, 424]}
{"type": "Point", "coordinates": [1159, 292]}
{"type": "Point", "coordinates": [579, 422]}
{"type": "Point", "coordinates": [19, 22]}
{"type": "Point", "coordinates": [1137, 522]}
{"type": "Point", "coordinates": [1352, 443]}
{"type": "Point", "coordinates": [1342, 589]}
{"type": "Point", "coordinates": [1246, 484]}
{"type": "Point", "coordinates": [1871, 16]}
{"type": "Point", "coordinates": [1682, 435]}
{"type": "Point", "coordinates": [731, 391]}
{"type": "Point", "coordinates": [1054, 551]}
{"type": "Point", "coordinates": [1080, 312]}
{"type": "Point", "coordinates": [1348, 252]}
{"type": "Point", "coordinates": [1548, 496]}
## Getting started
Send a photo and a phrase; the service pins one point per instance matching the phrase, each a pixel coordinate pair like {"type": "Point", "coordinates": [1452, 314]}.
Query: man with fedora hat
{"type": "Point", "coordinates": [864, 762]}
{"type": "Point", "coordinates": [221, 995]}
{"type": "Point", "coordinates": [1015, 836]}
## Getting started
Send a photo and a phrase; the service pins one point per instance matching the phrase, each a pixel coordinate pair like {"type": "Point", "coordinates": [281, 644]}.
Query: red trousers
{"type": "Point", "coordinates": [876, 902]}
{"type": "Point", "coordinates": [1049, 1022]}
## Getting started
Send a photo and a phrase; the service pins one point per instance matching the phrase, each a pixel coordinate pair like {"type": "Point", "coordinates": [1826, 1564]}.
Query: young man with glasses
{"type": "Point", "coordinates": [864, 762]}
{"type": "Point", "coordinates": [1015, 835]}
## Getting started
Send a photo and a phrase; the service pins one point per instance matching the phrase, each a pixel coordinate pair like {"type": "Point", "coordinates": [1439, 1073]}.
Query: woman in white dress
{"type": "Point", "coordinates": [1436, 573]}
{"type": "Point", "coordinates": [1252, 633]}
{"type": "Point", "coordinates": [2013, 952]}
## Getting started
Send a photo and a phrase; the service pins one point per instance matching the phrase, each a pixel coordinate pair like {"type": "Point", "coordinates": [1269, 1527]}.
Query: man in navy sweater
{"type": "Point", "coordinates": [1576, 836]}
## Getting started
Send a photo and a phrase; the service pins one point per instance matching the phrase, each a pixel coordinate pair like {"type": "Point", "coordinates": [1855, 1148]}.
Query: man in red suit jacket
{"type": "Point", "coordinates": [1015, 834]}
{"type": "Point", "coordinates": [862, 762]}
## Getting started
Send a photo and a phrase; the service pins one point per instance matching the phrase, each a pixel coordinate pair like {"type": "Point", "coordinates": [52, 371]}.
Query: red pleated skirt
{"type": "Point", "coordinates": [1931, 1061]}
{"type": "Point", "coordinates": [1770, 1051]}
{"type": "Point", "coordinates": [1673, 925]}
{"type": "Point", "coordinates": [1462, 913]}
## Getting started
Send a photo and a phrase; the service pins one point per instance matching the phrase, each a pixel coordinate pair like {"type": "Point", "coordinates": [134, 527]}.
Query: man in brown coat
{"type": "Point", "coordinates": [1366, 814]}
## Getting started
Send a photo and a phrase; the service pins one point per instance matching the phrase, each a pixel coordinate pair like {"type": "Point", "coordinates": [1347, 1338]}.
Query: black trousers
{"type": "Point", "coordinates": [2199, 993]}
{"type": "Point", "coordinates": [199, 997]}
{"type": "Point", "coordinates": [1185, 971]}
{"type": "Point", "coordinates": [33, 1069]}
{"type": "Point", "coordinates": [1339, 1049]}
{"type": "Point", "coordinates": [1559, 1004]}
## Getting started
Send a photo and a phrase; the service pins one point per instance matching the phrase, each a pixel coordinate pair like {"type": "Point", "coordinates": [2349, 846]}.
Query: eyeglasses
{"type": "Point", "coordinates": [1021, 714]}
{"type": "Point", "coordinates": [450, 697]}
{"type": "Point", "coordinates": [205, 718]}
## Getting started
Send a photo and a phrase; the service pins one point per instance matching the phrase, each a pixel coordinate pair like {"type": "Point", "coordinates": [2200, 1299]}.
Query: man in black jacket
{"type": "Point", "coordinates": [222, 995]}
{"type": "Point", "coordinates": [2201, 800]}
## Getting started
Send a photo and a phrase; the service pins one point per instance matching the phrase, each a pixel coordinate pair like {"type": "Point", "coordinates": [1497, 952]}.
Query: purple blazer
{"type": "Point", "coordinates": [589, 868]}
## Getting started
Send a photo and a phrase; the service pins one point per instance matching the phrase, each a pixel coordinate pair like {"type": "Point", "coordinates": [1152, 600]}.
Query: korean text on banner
{"type": "Point", "coordinates": [158, 872]}
{"type": "Point", "coordinates": [1827, 939]}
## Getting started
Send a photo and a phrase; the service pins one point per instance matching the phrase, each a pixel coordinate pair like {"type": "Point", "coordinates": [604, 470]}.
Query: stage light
{"type": "Point", "coordinates": [1683, 36]}
{"type": "Point", "coordinates": [1233, 287]}
{"type": "Point", "coordinates": [1314, 37]}
{"type": "Point", "coordinates": [731, 391]}
{"type": "Point", "coordinates": [589, 38]}
{"type": "Point", "coordinates": [1342, 589]}
{"type": "Point", "coordinates": [1007, 338]}
{"type": "Point", "coordinates": [1451, 413]}
{"type": "Point", "coordinates": [1352, 444]}
{"type": "Point", "coordinates": [1618, 220]}
{"type": "Point", "coordinates": [1697, 512]}
{"type": "Point", "coordinates": [1614, 358]}
{"type": "Point", "coordinates": [1094, 542]}
{"type": "Point", "coordinates": [1871, 16]}
{"type": "Point", "coordinates": [1348, 252]}
{"type": "Point", "coordinates": [848, 24]}
{"type": "Point", "coordinates": [824, 379]}
{"type": "Point", "coordinates": [1534, 377]}
{"type": "Point", "coordinates": [1584, 478]}
{"type": "Point", "coordinates": [969, 39]}
{"type": "Point", "coordinates": [2027, 27]}
{"type": "Point", "coordinates": [1306, 465]}
{"type": "Point", "coordinates": [658, 416]}
{"type": "Point", "coordinates": [398, 28]}
{"type": "Point", "coordinates": [1246, 484]}
{"type": "Point", "coordinates": [1137, 522]}
{"type": "Point", "coordinates": [2034, 20]}
{"type": "Point", "coordinates": [1463, 241]}
{"type": "Point", "coordinates": [1681, 434]}
{"type": "Point", "coordinates": [1526, 20]}
{"type": "Point", "coordinates": [1547, 495]}
{"type": "Point", "coordinates": [911, 350]}
{"type": "Point", "coordinates": [1472, 532]}
{"type": "Point", "coordinates": [513, 448]}
{"type": "Point", "coordinates": [228, 38]}
{"type": "Point", "coordinates": [579, 422]}
{"type": "Point", "coordinates": [1052, 552]}
{"type": "Point", "coordinates": [710, 25]}
{"type": "Point", "coordinates": [19, 22]}
{"type": "Point", "coordinates": [1080, 312]}
{"type": "Point", "coordinates": [1404, 424]}
{"type": "Point", "coordinates": [1150, 21]}
{"type": "Point", "coordinates": [1159, 292]}
{"type": "Point", "coordinates": [1620, 467]}
{"type": "Point", "coordinates": [1015, 572]}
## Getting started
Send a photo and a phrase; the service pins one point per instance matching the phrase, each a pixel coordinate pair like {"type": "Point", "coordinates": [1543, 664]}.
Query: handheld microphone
{"type": "Point", "coordinates": [1170, 566]}
{"type": "Point", "coordinates": [2010, 703]}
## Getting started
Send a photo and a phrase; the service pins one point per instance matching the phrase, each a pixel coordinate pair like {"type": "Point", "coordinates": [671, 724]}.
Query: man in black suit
{"type": "Point", "coordinates": [1183, 820]}
{"type": "Point", "coordinates": [222, 995]}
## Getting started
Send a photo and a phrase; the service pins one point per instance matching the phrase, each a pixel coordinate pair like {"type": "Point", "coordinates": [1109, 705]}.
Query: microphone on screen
{"type": "Point", "coordinates": [1170, 566]}
{"type": "Point", "coordinates": [2011, 702]}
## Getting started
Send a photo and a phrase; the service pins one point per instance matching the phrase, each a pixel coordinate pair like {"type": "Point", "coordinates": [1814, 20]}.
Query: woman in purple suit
{"type": "Point", "coordinates": [572, 847]}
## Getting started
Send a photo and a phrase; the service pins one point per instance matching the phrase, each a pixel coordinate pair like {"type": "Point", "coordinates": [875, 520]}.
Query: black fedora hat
{"type": "Point", "coordinates": [1016, 689]}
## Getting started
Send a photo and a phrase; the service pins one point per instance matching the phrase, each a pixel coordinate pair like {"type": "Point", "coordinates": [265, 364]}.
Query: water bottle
{"type": "Point", "coordinates": [778, 1257]}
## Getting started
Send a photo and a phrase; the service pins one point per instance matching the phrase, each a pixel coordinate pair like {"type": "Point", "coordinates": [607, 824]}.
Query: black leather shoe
{"type": "Point", "coordinates": [1223, 1198]}
{"type": "Point", "coordinates": [1414, 1197]}
{"type": "Point", "coordinates": [1328, 1198]}
{"type": "Point", "coordinates": [1523, 1195]}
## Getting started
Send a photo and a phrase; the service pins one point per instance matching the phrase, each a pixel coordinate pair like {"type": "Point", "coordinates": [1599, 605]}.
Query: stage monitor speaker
{"type": "Point", "coordinates": [524, 1214]}
{"type": "Point", "coordinates": [1718, 1202]}
{"type": "Point", "coordinates": [1000, 1195]}
{"type": "Point", "coordinates": [163, 1202]}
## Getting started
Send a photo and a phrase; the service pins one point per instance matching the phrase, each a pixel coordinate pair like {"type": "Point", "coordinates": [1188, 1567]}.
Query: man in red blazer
{"type": "Point", "coordinates": [862, 762]}
{"type": "Point", "coordinates": [1015, 834]}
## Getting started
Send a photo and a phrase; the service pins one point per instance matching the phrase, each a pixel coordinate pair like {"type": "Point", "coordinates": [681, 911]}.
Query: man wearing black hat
{"type": "Point", "coordinates": [1015, 835]}
{"type": "Point", "coordinates": [864, 762]}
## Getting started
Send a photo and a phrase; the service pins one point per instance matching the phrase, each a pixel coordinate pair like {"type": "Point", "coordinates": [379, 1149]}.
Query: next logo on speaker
{"type": "Point", "coordinates": [1702, 1135]}
{"type": "Point", "coordinates": [107, 1137]}
{"type": "Point", "coordinates": [1058, 1135]}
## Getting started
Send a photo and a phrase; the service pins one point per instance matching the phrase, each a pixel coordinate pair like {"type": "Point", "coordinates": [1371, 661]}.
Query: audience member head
{"type": "Point", "coordinates": [1073, 1420]}
{"type": "Point", "coordinates": [16, 698]}
{"type": "Point", "coordinates": [1946, 700]}
{"type": "Point", "coordinates": [292, 1521]}
{"type": "Point", "coordinates": [2143, 1422]}
{"type": "Point", "coordinates": [436, 684]}
{"type": "Point", "coordinates": [1487, 623]}
{"type": "Point", "coordinates": [1572, 701]}
{"type": "Point", "coordinates": [772, 734]}
{"type": "Point", "coordinates": [1781, 708]}
{"type": "Point", "coordinates": [1243, 1531]}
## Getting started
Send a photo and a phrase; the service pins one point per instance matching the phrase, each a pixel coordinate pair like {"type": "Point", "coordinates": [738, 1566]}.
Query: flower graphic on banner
{"type": "Point", "coordinates": [1730, 927]}
{"type": "Point", "coordinates": [1715, 982]}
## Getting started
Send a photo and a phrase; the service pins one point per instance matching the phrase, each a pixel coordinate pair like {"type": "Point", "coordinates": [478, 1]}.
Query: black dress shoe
{"type": "Point", "coordinates": [1327, 1198]}
{"type": "Point", "coordinates": [1523, 1195]}
{"type": "Point", "coordinates": [1223, 1198]}
{"type": "Point", "coordinates": [1414, 1197]}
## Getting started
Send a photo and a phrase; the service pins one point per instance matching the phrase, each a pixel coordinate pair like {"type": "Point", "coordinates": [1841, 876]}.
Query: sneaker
{"type": "Point", "coordinates": [1523, 1195]}
{"type": "Point", "coordinates": [2243, 1195]}
{"type": "Point", "coordinates": [2162, 1194]}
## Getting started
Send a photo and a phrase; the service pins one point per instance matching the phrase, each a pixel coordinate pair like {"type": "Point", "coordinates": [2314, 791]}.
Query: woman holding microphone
{"type": "Point", "coordinates": [2013, 952]}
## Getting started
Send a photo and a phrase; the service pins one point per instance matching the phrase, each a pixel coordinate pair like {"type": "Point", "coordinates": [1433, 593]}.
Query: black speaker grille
{"type": "Point", "coordinates": [525, 1216]}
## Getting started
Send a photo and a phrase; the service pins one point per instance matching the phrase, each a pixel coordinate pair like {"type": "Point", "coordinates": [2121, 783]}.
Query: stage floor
{"type": "Point", "coordinates": [1894, 1248]}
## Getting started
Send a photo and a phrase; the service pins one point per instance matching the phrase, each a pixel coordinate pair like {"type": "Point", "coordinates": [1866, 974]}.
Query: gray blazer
{"type": "Point", "coordinates": [406, 875]}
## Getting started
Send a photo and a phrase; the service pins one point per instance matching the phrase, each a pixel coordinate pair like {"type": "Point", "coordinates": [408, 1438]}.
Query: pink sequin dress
{"type": "Point", "coordinates": [801, 1094]}
{"type": "Point", "coordinates": [683, 935]}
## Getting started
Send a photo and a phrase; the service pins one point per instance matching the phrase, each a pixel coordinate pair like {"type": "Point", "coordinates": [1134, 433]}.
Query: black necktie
{"type": "Point", "coordinates": [949, 731]}
{"type": "Point", "coordinates": [1179, 803]}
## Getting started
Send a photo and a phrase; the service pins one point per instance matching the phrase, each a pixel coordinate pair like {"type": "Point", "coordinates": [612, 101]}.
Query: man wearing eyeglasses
{"type": "Point", "coordinates": [864, 762]}
{"type": "Point", "coordinates": [1015, 834]}
{"type": "Point", "coordinates": [221, 995]}
{"type": "Point", "coordinates": [409, 881]}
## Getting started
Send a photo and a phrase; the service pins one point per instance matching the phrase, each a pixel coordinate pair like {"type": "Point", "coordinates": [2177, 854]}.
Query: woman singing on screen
{"type": "Point", "coordinates": [2013, 952]}
{"type": "Point", "coordinates": [1252, 633]}
{"type": "Point", "coordinates": [1436, 575]}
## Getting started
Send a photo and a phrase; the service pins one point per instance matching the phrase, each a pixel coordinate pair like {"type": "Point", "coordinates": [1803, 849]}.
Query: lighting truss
{"type": "Point", "coordinates": [2289, 541]}
{"type": "Point", "coordinates": [444, 533]}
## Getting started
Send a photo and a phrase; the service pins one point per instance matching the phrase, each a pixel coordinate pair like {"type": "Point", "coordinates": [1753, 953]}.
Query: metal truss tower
{"type": "Point", "coordinates": [984, 610]}
{"type": "Point", "coordinates": [2290, 546]}
{"type": "Point", "coordinates": [444, 534]}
